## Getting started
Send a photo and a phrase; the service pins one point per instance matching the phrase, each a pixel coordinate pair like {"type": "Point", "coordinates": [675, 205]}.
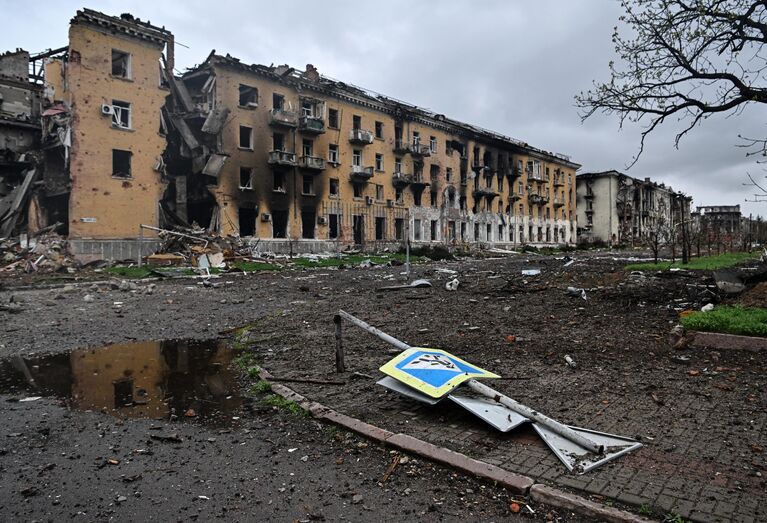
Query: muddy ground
{"type": "Point", "coordinates": [54, 459]}
{"type": "Point", "coordinates": [59, 461]}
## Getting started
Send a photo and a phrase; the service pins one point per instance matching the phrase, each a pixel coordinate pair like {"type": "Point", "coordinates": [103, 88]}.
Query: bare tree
{"type": "Point", "coordinates": [685, 59]}
{"type": "Point", "coordinates": [656, 231]}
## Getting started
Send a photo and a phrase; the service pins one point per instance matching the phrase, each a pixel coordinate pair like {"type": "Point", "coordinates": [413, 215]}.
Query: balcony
{"type": "Point", "coordinates": [311, 125]}
{"type": "Point", "coordinates": [558, 202]}
{"type": "Point", "coordinates": [361, 174]}
{"type": "Point", "coordinates": [401, 179]}
{"type": "Point", "coordinates": [589, 195]}
{"type": "Point", "coordinates": [515, 197]}
{"type": "Point", "coordinates": [282, 158]}
{"type": "Point", "coordinates": [539, 176]}
{"type": "Point", "coordinates": [360, 137]}
{"type": "Point", "coordinates": [281, 117]}
{"type": "Point", "coordinates": [537, 199]}
{"type": "Point", "coordinates": [401, 146]}
{"type": "Point", "coordinates": [420, 151]}
{"type": "Point", "coordinates": [559, 180]}
{"type": "Point", "coordinates": [313, 163]}
{"type": "Point", "coordinates": [486, 191]}
{"type": "Point", "coordinates": [419, 181]}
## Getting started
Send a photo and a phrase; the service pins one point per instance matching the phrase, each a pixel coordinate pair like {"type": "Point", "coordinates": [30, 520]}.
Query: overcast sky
{"type": "Point", "coordinates": [510, 66]}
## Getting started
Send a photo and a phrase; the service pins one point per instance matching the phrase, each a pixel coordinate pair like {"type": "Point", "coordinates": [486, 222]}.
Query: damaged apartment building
{"type": "Point", "coordinates": [616, 209]}
{"type": "Point", "coordinates": [292, 159]}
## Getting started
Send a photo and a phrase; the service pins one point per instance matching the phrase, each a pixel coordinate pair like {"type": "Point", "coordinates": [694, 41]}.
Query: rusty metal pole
{"type": "Point", "coordinates": [340, 364]}
{"type": "Point", "coordinates": [140, 243]}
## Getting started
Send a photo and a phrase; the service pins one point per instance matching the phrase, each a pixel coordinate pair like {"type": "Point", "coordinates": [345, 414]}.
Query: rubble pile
{"type": "Point", "coordinates": [45, 253]}
{"type": "Point", "coordinates": [197, 247]}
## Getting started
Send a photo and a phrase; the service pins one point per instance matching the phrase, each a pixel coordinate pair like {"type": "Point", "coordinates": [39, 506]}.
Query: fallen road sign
{"type": "Point", "coordinates": [432, 372]}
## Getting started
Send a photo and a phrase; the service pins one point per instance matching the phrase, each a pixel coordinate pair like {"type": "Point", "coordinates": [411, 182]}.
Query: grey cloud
{"type": "Point", "coordinates": [513, 67]}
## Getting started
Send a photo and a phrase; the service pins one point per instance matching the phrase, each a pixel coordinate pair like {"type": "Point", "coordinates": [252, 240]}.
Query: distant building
{"type": "Point", "coordinates": [720, 227]}
{"type": "Point", "coordinates": [618, 209]}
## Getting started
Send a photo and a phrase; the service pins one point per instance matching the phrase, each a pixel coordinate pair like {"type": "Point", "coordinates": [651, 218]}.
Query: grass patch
{"type": "Point", "coordinates": [730, 320]}
{"type": "Point", "coordinates": [283, 404]}
{"type": "Point", "coordinates": [261, 387]}
{"type": "Point", "coordinates": [719, 261]}
{"type": "Point", "coordinates": [249, 266]}
{"type": "Point", "coordinates": [133, 272]}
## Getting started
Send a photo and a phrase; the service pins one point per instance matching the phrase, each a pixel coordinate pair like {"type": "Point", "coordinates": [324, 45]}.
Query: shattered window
{"type": "Point", "coordinates": [246, 178]}
{"type": "Point", "coordinates": [279, 182]}
{"type": "Point", "coordinates": [121, 64]}
{"type": "Point", "coordinates": [278, 101]}
{"type": "Point", "coordinates": [332, 226]}
{"type": "Point", "coordinates": [399, 227]}
{"type": "Point", "coordinates": [380, 228]}
{"type": "Point", "coordinates": [334, 187]}
{"type": "Point", "coordinates": [333, 118]}
{"type": "Point", "coordinates": [308, 147]}
{"type": "Point", "coordinates": [433, 196]}
{"type": "Point", "coordinates": [449, 174]}
{"type": "Point", "coordinates": [398, 194]}
{"type": "Point", "coordinates": [398, 165]}
{"type": "Point", "coordinates": [434, 230]}
{"type": "Point", "coordinates": [308, 185]}
{"type": "Point", "coordinates": [379, 162]}
{"type": "Point", "coordinates": [416, 138]}
{"type": "Point", "coordinates": [358, 190]}
{"type": "Point", "coordinates": [121, 114]}
{"type": "Point", "coordinates": [356, 122]}
{"type": "Point", "coordinates": [333, 153]}
{"type": "Point", "coordinates": [417, 230]}
{"type": "Point", "coordinates": [121, 163]}
{"type": "Point", "coordinates": [379, 192]}
{"type": "Point", "coordinates": [379, 129]}
{"type": "Point", "coordinates": [357, 157]}
{"type": "Point", "coordinates": [278, 142]}
{"type": "Point", "coordinates": [248, 96]}
{"type": "Point", "coordinates": [433, 144]}
{"type": "Point", "coordinates": [246, 137]}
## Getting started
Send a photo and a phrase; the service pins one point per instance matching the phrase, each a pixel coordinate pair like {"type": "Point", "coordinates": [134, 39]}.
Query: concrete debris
{"type": "Point", "coordinates": [570, 362]}
{"type": "Point", "coordinates": [707, 308]}
{"type": "Point", "coordinates": [452, 285]}
{"type": "Point", "coordinates": [576, 291]}
{"type": "Point", "coordinates": [531, 272]}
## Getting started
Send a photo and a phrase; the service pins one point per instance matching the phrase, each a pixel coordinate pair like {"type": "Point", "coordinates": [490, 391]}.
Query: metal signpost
{"type": "Point", "coordinates": [431, 375]}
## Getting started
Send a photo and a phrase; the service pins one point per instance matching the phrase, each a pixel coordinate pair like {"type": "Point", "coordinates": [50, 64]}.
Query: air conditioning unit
{"type": "Point", "coordinates": [321, 220]}
{"type": "Point", "coordinates": [107, 110]}
{"type": "Point", "coordinates": [390, 203]}
{"type": "Point", "coordinates": [369, 200]}
{"type": "Point", "coordinates": [266, 217]}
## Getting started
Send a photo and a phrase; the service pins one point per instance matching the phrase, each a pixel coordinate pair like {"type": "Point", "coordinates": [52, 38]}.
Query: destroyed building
{"type": "Point", "coordinates": [295, 160]}
{"type": "Point", "coordinates": [724, 228]}
{"type": "Point", "coordinates": [617, 209]}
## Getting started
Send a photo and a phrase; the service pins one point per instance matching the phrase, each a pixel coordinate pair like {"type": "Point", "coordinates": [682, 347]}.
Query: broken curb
{"type": "Point", "coordinates": [515, 483]}
{"type": "Point", "coordinates": [583, 506]}
{"type": "Point", "coordinates": [720, 341]}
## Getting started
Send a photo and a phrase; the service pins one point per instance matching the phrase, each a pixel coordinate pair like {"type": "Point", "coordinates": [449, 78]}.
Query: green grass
{"type": "Point", "coordinates": [645, 510]}
{"type": "Point", "coordinates": [288, 405]}
{"type": "Point", "coordinates": [730, 320]}
{"type": "Point", "coordinates": [133, 272]}
{"type": "Point", "coordinates": [720, 261]}
{"type": "Point", "coordinates": [249, 266]}
{"type": "Point", "coordinates": [261, 387]}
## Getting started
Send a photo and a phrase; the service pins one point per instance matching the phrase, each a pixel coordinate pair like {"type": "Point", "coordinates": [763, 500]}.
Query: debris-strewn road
{"type": "Point", "coordinates": [57, 462]}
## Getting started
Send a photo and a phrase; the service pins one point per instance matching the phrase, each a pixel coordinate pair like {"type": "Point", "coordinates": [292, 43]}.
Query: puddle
{"type": "Point", "coordinates": [184, 380]}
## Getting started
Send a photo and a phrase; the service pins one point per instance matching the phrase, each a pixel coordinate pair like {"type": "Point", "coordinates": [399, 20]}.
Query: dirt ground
{"type": "Point", "coordinates": [627, 380]}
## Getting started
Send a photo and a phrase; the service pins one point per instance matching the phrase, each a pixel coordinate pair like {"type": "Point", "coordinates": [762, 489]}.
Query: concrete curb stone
{"type": "Point", "coordinates": [719, 341]}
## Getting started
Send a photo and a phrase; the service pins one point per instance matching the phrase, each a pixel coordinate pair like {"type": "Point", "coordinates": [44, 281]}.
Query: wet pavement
{"type": "Point", "coordinates": [173, 380]}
